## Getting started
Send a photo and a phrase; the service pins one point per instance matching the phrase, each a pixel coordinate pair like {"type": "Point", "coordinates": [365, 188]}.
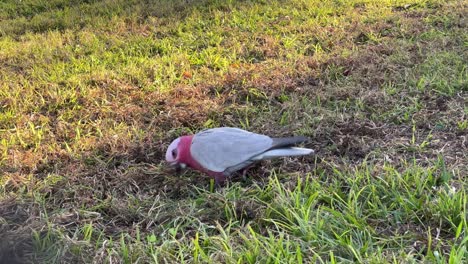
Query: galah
{"type": "Point", "coordinates": [219, 152]}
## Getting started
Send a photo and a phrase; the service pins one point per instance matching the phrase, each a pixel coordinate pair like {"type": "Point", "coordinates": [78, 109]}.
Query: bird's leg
{"type": "Point", "coordinates": [244, 174]}
{"type": "Point", "coordinates": [220, 180]}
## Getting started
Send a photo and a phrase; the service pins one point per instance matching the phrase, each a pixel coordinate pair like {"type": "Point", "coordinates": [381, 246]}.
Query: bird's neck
{"type": "Point", "coordinates": [184, 152]}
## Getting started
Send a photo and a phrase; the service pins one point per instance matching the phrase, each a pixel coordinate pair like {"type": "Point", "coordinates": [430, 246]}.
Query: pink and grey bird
{"type": "Point", "coordinates": [219, 152]}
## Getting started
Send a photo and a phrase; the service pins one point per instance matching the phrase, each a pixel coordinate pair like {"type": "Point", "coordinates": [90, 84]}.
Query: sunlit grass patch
{"type": "Point", "coordinates": [91, 92]}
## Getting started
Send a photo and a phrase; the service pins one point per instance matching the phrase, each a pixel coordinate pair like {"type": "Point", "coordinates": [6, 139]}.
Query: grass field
{"type": "Point", "coordinates": [93, 91]}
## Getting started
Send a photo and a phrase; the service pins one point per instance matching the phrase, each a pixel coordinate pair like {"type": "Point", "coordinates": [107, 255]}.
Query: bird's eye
{"type": "Point", "coordinates": [174, 153]}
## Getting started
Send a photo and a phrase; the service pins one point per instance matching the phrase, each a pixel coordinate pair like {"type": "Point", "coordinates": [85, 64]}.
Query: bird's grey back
{"type": "Point", "coordinates": [221, 148]}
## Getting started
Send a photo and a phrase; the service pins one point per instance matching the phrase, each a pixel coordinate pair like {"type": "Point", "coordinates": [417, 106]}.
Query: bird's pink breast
{"type": "Point", "coordinates": [186, 157]}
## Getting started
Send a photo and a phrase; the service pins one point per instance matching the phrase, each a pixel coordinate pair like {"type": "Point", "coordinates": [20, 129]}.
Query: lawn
{"type": "Point", "coordinates": [93, 91]}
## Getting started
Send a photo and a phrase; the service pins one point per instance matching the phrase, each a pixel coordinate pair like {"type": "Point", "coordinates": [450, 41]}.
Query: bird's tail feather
{"type": "Point", "coordinates": [276, 153]}
{"type": "Point", "coordinates": [279, 143]}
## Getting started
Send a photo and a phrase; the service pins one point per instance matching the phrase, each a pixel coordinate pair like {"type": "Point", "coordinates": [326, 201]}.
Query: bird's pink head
{"type": "Point", "coordinates": [178, 152]}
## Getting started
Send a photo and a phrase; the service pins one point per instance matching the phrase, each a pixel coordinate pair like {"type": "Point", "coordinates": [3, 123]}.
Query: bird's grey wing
{"type": "Point", "coordinates": [218, 149]}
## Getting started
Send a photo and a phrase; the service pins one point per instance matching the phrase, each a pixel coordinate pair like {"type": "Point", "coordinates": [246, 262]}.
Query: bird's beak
{"type": "Point", "coordinates": [178, 167]}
